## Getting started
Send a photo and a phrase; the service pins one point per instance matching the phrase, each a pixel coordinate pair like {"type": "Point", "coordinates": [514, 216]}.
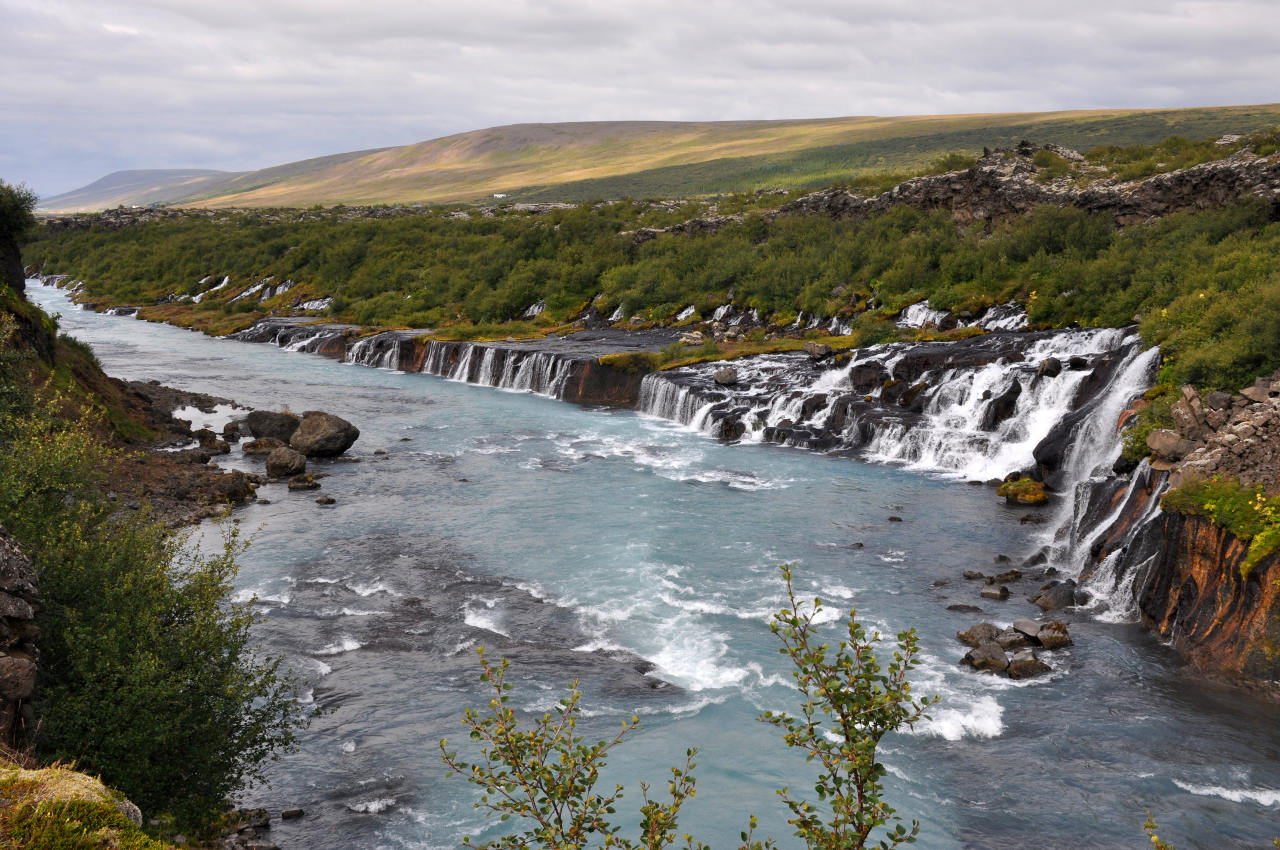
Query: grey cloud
{"type": "Point", "coordinates": [246, 83]}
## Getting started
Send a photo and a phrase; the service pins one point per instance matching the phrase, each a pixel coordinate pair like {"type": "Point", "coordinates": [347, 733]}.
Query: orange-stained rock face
{"type": "Point", "coordinates": [1195, 597]}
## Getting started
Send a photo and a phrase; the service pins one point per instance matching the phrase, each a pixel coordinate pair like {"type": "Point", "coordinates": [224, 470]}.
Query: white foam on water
{"type": "Point", "coordinates": [348, 746]}
{"type": "Point", "coordinates": [317, 666]}
{"type": "Point", "coordinates": [373, 807]}
{"type": "Point", "coordinates": [483, 616]}
{"type": "Point", "coordinates": [894, 556]}
{"type": "Point", "coordinates": [983, 718]}
{"type": "Point", "coordinates": [1261, 796]}
{"type": "Point", "coordinates": [345, 644]}
{"type": "Point", "coordinates": [378, 586]}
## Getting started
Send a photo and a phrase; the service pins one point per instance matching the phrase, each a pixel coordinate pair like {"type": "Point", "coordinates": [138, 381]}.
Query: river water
{"type": "Point", "coordinates": [577, 542]}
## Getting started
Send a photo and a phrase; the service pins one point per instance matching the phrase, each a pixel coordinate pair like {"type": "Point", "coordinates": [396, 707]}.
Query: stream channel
{"type": "Point", "coordinates": [581, 542]}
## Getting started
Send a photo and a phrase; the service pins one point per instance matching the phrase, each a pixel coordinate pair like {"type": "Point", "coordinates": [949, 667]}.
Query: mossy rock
{"type": "Point", "coordinates": [1023, 491]}
{"type": "Point", "coordinates": [59, 809]}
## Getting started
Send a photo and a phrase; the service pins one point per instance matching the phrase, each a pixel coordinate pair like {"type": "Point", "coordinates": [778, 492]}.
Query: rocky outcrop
{"type": "Point", "coordinates": [19, 604]}
{"type": "Point", "coordinates": [1182, 574]}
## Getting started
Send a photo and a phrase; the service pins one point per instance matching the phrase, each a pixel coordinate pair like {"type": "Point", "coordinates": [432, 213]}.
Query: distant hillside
{"type": "Point", "coordinates": [583, 161]}
{"type": "Point", "coordinates": [137, 188]}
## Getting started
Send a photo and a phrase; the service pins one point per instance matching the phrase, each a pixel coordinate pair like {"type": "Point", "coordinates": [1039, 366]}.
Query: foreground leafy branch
{"type": "Point", "coordinates": [545, 774]}
{"type": "Point", "coordinates": [850, 703]}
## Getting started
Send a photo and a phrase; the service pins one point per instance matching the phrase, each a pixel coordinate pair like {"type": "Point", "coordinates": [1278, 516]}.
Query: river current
{"type": "Point", "coordinates": [581, 542]}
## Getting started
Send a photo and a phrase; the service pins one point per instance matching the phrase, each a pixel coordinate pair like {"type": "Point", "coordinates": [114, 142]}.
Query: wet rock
{"type": "Point", "coordinates": [326, 500]}
{"type": "Point", "coordinates": [231, 431]}
{"type": "Point", "coordinates": [291, 814]}
{"type": "Point", "coordinates": [196, 456]}
{"type": "Point", "coordinates": [1056, 595]}
{"type": "Point", "coordinates": [726, 377]}
{"type": "Point", "coordinates": [973, 574]}
{"type": "Point", "coordinates": [895, 519]}
{"type": "Point", "coordinates": [995, 592]}
{"type": "Point", "coordinates": [1053, 635]}
{"type": "Point", "coordinates": [303, 482]}
{"type": "Point", "coordinates": [1011, 639]}
{"type": "Point", "coordinates": [987, 657]}
{"type": "Point", "coordinates": [1025, 665]}
{"type": "Point", "coordinates": [322, 434]}
{"type": "Point", "coordinates": [1001, 407]}
{"type": "Point", "coordinates": [277, 426]}
{"type": "Point", "coordinates": [1001, 559]}
{"type": "Point", "coordinates": [1050, 367]}
{"type": "Point", "coordinates": [977, 635]}
{"type": "Point", "coordinates": [1023, 491]}
{"type": "Point", "coordinates": [285, 462]}
{"type": "Point", "coordinates": [1027, 626]}
{"type": "Point", "coordinates": [262, 446]}
{"type": "Point", "coordinates": [964, 609]}
{"type": "Point", "coordinates": [1008, 576]}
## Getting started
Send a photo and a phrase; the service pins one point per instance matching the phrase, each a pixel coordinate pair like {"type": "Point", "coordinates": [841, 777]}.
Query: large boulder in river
{"type": "Point", "coordinates": [323, 435]}
{"type": "Point", "coordinates": [267, 423]}
{"type": "Point", "coordinates": [284, 462]}
{"type": "Point", "coordinates": [726, 377]}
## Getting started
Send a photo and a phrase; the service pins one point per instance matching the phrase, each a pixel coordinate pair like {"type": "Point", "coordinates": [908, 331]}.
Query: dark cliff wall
{"type": "Point", "coordinates": [1192, 594]}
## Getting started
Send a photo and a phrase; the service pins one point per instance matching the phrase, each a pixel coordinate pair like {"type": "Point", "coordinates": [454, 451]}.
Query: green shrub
{"type": "Point", "coordinates": [148, 673]}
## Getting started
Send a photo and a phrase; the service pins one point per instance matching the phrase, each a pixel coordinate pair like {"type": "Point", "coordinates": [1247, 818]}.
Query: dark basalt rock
{"type": "Point", "coordinates": [322, 434]}
{"type": "Point", "coordinates": [285, 462]}
{"type": "Point", "coordinates": [1056, 595]}
{"type": "Point", "coordinates": [1025, 665]}
{"type": "Point", "coordinates": [987, 657]}
{"type": "Point", "coordinates": [277, 426]}
{"type": "Point", "coordinates": [977, 635]}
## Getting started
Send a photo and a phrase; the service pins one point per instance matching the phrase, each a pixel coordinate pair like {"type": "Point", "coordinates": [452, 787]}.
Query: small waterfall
{"type": "Point", "coordinates": [381, 351]}
{"type": "Point", "coordinates": [509, 368]}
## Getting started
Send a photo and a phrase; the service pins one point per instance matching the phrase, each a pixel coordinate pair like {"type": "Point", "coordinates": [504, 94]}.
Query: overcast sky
{"type": "Point", "coordinates": [93, 86]}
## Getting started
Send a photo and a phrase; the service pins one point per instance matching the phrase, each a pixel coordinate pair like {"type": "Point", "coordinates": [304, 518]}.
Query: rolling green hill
{"type": "Point", "coordinates": [583, 161]}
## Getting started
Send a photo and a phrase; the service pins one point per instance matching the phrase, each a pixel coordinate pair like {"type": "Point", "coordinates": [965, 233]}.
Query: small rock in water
{"type": "Point", "coordinates": [987, 657]}
{"type": "Point", "coordinates": [1009, 575]}
{"type": "Point", "coordinates": [964, 609]}
{"type": "Point", "coordinates": [326, 500]}
{"type": "Point", "coordinates": [978, 635]}
{"type": "Point", "coordinates": [291, 814]}
{"type": "Point", "coordinates": [895, 519]}
{"type": "Point", "coordinates": [1032, 519]}
{"type": "Point", "coordinates": [377, 452]}
{"type": "Point", "coordinates": [303, 482]}
{"type": "Point", "coordinates": [1027, 626]}
{"type": "Point", "coordinates": [995, 592]}
{"type": "Point", "coordinates": [973, 574]}
{"type": "Point", "coordinates": [1054, 635]}
{"type": "Point", "coordinates": [942, 582]}
{"type": "Point", "coordinates": [726, 377]}
{"type": "Point", "coordinates": [1011, 639]}
{"type": "Point", "coordinates": [1002, 559]}
{"type": "Point", "coordinates": [1055, 595]}
{"type": "Point", "coordinates": [1024, 665]}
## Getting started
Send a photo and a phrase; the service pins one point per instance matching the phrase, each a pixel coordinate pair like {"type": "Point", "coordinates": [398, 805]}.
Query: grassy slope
{"type": "Point", "coordinates": [667, 158]}
{"type": "Point", "coordinates": [583, 161]}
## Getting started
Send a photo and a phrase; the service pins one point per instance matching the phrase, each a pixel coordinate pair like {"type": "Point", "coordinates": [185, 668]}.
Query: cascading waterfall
{"type": "Point", "coordinates": [528, 370]}
{"type": "Point", "coordinates": [975, 409]}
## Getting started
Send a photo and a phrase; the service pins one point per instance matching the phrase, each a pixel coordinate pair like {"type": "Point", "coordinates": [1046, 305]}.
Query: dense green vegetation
{"type": "Point", "coordinates": [1203, 285]}
{"type": "Point", "coordinates": [148, 675]}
